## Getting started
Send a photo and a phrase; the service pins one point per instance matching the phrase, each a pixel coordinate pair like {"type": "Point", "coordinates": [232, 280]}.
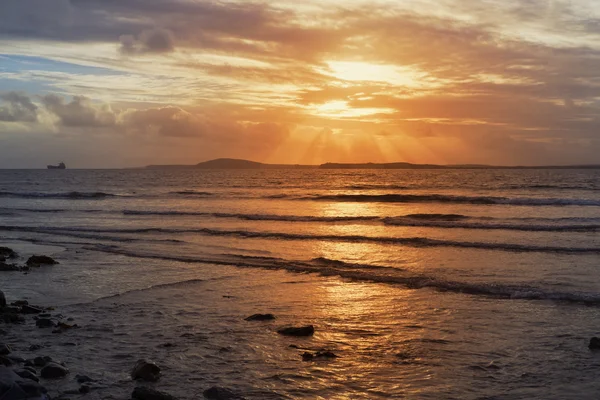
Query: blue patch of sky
{"type": "Point", "coordinates": [17, 63]}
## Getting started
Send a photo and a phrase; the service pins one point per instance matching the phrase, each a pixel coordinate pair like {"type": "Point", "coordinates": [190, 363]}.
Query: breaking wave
{"type": "Point", "coordinates": [441, 198]}
{"type": "Point", "coordinates": [59, 195]}
{"type": "Point", "coordinates": [378, 274]}
{"type": "Point", "coordinates": [244, 234]}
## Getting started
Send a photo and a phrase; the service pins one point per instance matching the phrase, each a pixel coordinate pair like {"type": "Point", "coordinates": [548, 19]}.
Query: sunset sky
{"type": "Point", "coordinates": [121, 83]}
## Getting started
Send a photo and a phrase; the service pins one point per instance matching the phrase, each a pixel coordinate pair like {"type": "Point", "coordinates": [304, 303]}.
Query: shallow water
{"type": "Point", "coordinates": [427, 284]}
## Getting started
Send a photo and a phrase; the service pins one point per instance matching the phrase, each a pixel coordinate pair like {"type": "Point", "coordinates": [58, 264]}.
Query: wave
{"type": "Point", "coordinates": [254, 217]}
{"type": "Point", "coordinates": [459, 223]}
{"type": "Point", "coordinates": [193, 193]}
{"type": "Point", "coordinates": [59, 195]}
{"type": "Point", "coordinates": [377, 274]}
{"type": "Point", "coordinates": [244, 234]}
{"type": "Point", "coordinates": [441, 198]}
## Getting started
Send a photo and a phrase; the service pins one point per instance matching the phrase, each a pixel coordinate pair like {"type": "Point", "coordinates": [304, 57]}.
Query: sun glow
{"type": "Point", "coordinates": [357, 71]}
{"type": "Point", "coordinates": [341, 109]}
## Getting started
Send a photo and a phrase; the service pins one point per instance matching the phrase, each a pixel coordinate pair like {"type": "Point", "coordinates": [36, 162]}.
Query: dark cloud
{"type": "Point", "coordinates": [16, 107]}
{"type": "Point", "coordinates": [149, 41]}
{"type": "Point", "coordinates": [79, 112]}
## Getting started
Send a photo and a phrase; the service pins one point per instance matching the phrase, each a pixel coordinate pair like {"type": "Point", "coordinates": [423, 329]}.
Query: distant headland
{"type": "Point", "coordinates": [232, 163]}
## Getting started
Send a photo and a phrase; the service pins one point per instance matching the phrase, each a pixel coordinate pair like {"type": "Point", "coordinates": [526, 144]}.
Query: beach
{"type": "Point", "coordinates": [423, 284]}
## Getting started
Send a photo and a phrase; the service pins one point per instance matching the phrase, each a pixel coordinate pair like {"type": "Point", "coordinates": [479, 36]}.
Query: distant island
{"type": "Point", "coordinates": [231, 163]}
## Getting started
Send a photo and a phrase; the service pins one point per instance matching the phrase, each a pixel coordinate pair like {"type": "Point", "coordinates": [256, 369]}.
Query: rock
{"type": "Point", "coordinates": [219, 393]}
{"type": "Point", "coordinates": [4, 349]}
{"type": "Point", "coordinates": [2, 299]}
{"type": "Point", "coordinates": [42, 361]}
{"type": "Point", "coordinates": [7, 362]}
{"type": "Point", "coordinates": [83, 389]}
{"type": "Point", "coordinates": [594, 343]}
{"type": "Point", "coordinates": [35, 347]}
{"type": "Point", "coordinates": [27, 309]}
{"type": "Point", "coordinates": [144, 393]}
{"type": "Point", "coordinates": [4, 267]}
{"type": "Point", "coordinates": [19, 303]}
{"type": "Point", "coordinates": [16, 359]}
{"type": "Point", "coordinates": [13, 387]}
{"type": "Point", "coordinates": [44, 323]}
{"type": "Point", "coordinates": [260, 317]}
{"type": "Point", "coordinates": [319, 355]}
{"type": "Point", "coordinates": [36, 261]}
{"type": "Point", "coordinates": [297, 331]}
{"type": "Point", "coordinates": [83, 379]}
{"type": "Point", "coordinates": [145, 370]}
{"type": "Point", "coordinates": [6, 252]}
{"type": "Point", "coordinates": [53, 370]}
{"type": "Point", "coordinates": [27, 374]}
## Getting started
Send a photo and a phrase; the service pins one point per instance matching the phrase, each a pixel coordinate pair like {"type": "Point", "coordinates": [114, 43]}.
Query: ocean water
{"type": "Point", "coordinates": [428, 284]}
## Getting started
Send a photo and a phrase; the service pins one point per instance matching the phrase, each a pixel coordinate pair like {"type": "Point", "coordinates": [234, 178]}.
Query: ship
{"type": "Point", "coordinates": [59, 166]}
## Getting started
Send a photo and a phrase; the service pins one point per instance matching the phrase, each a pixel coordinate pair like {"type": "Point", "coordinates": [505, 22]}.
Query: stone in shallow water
{"type": "Point", "coordinates": [219, 393]}
{"type": "Point", "coordinates": [308, 330]}
{"type": "Point", "coordinates": [36, 261]}
{"type": "Point", "coordinates": [27, 374]}
{"type": "Point", "coordinates": [594, 343]}
{"type": "Point", "coordinates": [6, 252]}
{"type": "Point", "coordinates": [144, 393]}
{"type": "Point", "coordinates": [54, 371]}
{"type": "Point", "coordinates": [260, 317]}
{"type": "Point", "coordinates": [4, 349]}
{"type": "Point", "coordinates": [27, 309]}
{"type": "Point", "coordinates": [319, 355]}
{"type": "Point", "coordinates": [145, 370]}
{"type": "Point", "coordinates": [44, 323]}
{"type": "Point", "coordinates": [13, 387]}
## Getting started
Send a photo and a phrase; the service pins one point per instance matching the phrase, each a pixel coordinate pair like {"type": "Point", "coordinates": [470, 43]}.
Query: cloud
{"type": "Point", "coordinates": [149, 41]}
{"type": "Point", "coordinates": [79, 112]}
{"type": "Point", "coordinates": [15, 107]}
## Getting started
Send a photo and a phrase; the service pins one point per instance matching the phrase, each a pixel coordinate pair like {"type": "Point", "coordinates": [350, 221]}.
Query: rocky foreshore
{"type": "Point", "coordinates": [27, 373]}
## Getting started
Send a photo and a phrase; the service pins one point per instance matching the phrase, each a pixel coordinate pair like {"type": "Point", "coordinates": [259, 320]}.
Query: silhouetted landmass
{"type": "Point", "coordinates": [231, 163]}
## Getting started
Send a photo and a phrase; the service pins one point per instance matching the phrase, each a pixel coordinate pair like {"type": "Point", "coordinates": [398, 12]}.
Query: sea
{"type": "Point", "coordinates": [426, 284]}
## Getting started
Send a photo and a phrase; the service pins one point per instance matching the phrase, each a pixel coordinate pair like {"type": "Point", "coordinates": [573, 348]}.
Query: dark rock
{"type": "Point", "coordinates": [19, 303]}
{"type": "Point", "coordinates": [4, 349]}
{"type": "Point", "coordinates": [6, 252]}
{"type": "Point", "coordinates": [166, 345]}
{"type": "Point", "coordinates": [2, 299]}
{"type": "Point", "coordinates": [30, 369]}
{"type": "Point", "coordinates": [42, 361]}
{"type": "Point", "coordinates": [83, 389]}
{"type": "Point", "coordinates": [36, 261]}
{"type": "Point", "coordinates": [4, 267]}
{"type": "Point", "coordinates": [35, 347]}
{"type": "Point", "coordinates": [27, 374]}
{"type": "Point", "coordinates": [83, 379]}
{"type": "Point", "coordinates": [319, 355]}
{"type": "Point", "coordinates": [144, 393]}
{"type": "Point", "coordinates": [145, 370]}
{"type": "Point", "coordinates": [297, 331]}
{"type": "Point", "coordinates": [54, 371]}
{"type": "Point", "coordinates": [219, 393]}
{"type": "Point", "coordinates": [13, 387]}
{"type": "Point", "coordinates": [594, 343]}
{"type": "Point", "coordinates": [16, 359]}
{"type": "Point", "coordinates": [7, 362]}
{"type": "Point", "coordinates": [260, 317]}
{"type": "Point", "coordinates": [44, 323]}
{"type": "Point", "coordinates": [27, 309]}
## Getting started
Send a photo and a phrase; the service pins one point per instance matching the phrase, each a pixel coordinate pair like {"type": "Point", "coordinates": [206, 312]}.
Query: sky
{"type": "Point", "coordinates": [125, 83]}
